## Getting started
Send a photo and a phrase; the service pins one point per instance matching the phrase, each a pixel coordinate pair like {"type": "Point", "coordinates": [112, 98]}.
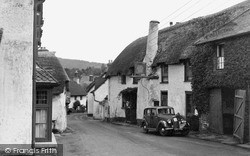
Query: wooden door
{"type": "Point", "coordinates": [215, 109]}
{"type": "Point", "coordinates": [239, 112]}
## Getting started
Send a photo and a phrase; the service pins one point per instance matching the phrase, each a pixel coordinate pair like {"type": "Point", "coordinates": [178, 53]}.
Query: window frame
{"type": "Point", "coordinates": [165, 91]}
{"type": "Point", "coordinates": [48, 107]}
{"type": "Point", "coordinates": [191, 112]}
{"type": "Point", "coordinates": [123, 79]}
{"type": "Point", "coordinates": [187, 68]}
{"type": "Point", "coordinates": [220, 57]}
{"type": "Point", "coordinates": [136, 80]}
{"type": "Point", "coordinates": [164, 73]}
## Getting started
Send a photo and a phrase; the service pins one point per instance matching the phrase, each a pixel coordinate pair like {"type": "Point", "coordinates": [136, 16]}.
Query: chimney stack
{"type": "Point", "coordinates": [76, 77]}
{"type": "Point", "coordinates": [152, 45]}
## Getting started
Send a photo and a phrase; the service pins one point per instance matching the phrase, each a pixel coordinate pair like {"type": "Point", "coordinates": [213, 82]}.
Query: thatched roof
{"type": "Point", "coordinates": [99, 81]}
{"type": "Point", "coordinates": [132, 53]}
{"type": "Point", "coordinates": [176, 42]}
{"type": "Point", "coordinates": [91, 85]}
{"type": "Point", "coordinates": [44, 78]}
{"type": "Point", "coordinates": [76, 89]}
{"type": "Point", "coordinates": [48, 61]}
{"type": "Point", "coordinates": [238, 26]}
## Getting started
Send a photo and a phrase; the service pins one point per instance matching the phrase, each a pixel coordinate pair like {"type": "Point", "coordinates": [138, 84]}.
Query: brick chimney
{"type": "Point", "coordinates": [152, 45]}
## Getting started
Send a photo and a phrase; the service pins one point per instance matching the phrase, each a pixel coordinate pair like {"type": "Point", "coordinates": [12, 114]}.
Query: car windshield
{"type": "Point", "coordinates": [166, 111]}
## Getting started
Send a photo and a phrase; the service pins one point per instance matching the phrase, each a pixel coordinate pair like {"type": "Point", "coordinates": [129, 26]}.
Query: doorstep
{"type": "Point", "coordinates": [52, 143]}
{"type": "Point", "coordinates": [224, 139]}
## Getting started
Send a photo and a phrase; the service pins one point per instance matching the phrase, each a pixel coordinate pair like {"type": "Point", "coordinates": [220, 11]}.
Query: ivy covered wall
{"type": "Point", "coordinates": [205, 75]}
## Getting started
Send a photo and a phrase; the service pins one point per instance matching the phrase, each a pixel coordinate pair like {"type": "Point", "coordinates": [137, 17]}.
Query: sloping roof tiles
{"type": "Point", "coordinates": [48, 61]}
{"type": "Point", "coordinates": [44, 77]}
{"type": "Point", "coordinates": [76, 89]}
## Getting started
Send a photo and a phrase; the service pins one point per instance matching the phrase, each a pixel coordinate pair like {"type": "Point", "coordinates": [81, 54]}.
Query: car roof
{"type": "Point", "coordinates": [158, 107]}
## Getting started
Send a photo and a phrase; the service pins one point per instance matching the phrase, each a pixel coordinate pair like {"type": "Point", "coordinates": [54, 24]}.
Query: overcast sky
{"type": "Point", "coordinates": [98, 30]}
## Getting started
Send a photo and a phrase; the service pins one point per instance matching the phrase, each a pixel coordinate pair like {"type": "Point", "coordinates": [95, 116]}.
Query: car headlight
{"type": "Point", "coordinates": [169, 121]}
{"type": "Point", "coordinates": [175, 119]}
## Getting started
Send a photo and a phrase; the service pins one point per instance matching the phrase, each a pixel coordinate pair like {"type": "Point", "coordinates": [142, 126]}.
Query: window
{"type": "Point", "coordinates": [135, 80]}
{"type": "Point", "coordinates": [123, 79]}
{"type": "Point", "coordinates": [75, 97]}
{"type": "Point", "coordinates": [80, 97]}
{"type": "Point", "coordinates": [156, 103]}
{"type": "Point", "coordinates": [43, 116]}
{"type": "Point", "coordinates": [153, 113]}
{"type": "Point", "coordinates": [164, 98]}
{"type": "Point", "coordinates": [164, 73]}
{"type": "Point", "coordinates": [188, 71]}
{"type": "Point", "coordinates": [220, 57]}
{"type": "Point", "coordinates": [91, 78]}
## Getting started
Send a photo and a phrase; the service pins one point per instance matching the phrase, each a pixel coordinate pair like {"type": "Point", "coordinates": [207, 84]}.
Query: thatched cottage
{"type": "Point", "coordinates": [50, 63]}
{"type": "Point", "coordinates": [97, 97]}
{"type": "Point", "coordinates": [167, 54]}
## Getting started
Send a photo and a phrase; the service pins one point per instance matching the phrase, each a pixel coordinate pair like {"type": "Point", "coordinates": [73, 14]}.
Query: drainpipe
{"type": "Point", "coordinates": [34, 76]}
{"type": "Point", "coordinates": [35, 53]}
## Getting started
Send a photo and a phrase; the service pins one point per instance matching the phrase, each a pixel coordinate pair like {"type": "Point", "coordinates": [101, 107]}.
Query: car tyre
{"type": "Point", "coordinates": [144, 127]}
{"type": "Point", "coordinates": [162, 131]}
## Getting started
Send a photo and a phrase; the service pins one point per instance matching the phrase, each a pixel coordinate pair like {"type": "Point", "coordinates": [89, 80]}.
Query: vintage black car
{"type": "Point", "coordinates": [164, 120]}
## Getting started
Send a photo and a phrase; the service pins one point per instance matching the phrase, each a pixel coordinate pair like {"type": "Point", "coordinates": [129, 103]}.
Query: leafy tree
{"type": "Point", "coordinates": [76, 104]}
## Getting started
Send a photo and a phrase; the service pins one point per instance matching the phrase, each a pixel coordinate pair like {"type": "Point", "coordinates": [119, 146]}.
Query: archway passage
{"type": "Point", "coordinates": [129, 98]}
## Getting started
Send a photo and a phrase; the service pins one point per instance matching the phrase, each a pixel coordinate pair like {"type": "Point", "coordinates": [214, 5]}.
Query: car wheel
{"type": "Point", "coordinates": [162, 131]}
{"type": "Point", "coordinates": [144, 127]}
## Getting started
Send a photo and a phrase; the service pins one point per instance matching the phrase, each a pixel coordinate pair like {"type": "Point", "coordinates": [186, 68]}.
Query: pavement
{"type": "Point", "coordinates": [208, 136]}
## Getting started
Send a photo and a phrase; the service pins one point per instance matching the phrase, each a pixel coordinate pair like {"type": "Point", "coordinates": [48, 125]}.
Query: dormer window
{"type": "Point", "coordinates": [220, 57]}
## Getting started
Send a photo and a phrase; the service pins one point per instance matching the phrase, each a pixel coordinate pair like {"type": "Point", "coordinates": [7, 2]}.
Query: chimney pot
{"type": "Point", "coordinates": [171, 23]}
{"type": "Point", "coordinates": [154, 21]}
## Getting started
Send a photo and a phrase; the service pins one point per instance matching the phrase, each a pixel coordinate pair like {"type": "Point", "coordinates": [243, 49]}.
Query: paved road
{"type": "Point", "coordinates": [97, 138]}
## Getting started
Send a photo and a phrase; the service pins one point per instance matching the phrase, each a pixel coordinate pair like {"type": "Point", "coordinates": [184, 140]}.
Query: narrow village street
{"type": "Point", "coordinates": [97, 138]}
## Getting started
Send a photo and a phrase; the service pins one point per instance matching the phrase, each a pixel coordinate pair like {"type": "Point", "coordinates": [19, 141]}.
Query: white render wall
{"type": "Point", "coordinates": [16, 66]}
{"type": "Point", "coordinates": [72, 100]}
{"type": "Point", "coordinates": [115, 101]}
{"type": "Point", "coordinates": [90, 99]}
{"type": "Point", "coordinates": [100, 94]}
{"type": "Point", "coordinates": [176, 88]}
{"type": "Point", "coordinates": [59, 111]}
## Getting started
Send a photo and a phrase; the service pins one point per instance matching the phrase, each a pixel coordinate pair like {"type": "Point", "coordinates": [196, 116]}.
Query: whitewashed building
{"type": "Point", "coordinates": [50, 63]}
{"type": "Point", "coordinates": [97, 95]}
{"type": "Point", "coordinates": [77, 93]}
{"type": "Point", "coordinates": [21, 80]}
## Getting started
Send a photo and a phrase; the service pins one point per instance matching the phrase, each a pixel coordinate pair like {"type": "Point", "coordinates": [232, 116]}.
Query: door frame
{"type": "Point", "coordinates": [239, 114]}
